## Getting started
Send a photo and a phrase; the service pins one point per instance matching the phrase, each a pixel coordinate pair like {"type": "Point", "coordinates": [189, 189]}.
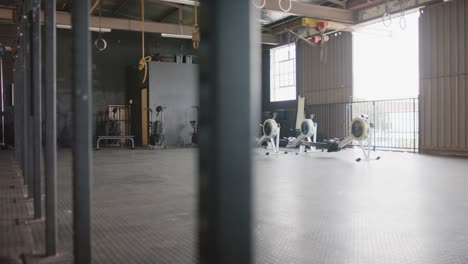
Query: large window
{"type": "Point", "coordinates": [386, 60]}
{"type": "Point", "coordinates": [283, 73]}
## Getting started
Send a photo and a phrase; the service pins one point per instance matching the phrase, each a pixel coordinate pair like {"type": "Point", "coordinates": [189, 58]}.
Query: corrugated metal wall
{"type": "Point", "coordinates": [328, 81]}
{"type": "Point", "coordinates": [332, 119]}
{"type": "Point", "coordinates": [443, 78]}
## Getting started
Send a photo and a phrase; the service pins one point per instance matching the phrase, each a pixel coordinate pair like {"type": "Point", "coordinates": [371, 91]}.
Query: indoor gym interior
{"type": "Point", "coordinates": [247, 131]}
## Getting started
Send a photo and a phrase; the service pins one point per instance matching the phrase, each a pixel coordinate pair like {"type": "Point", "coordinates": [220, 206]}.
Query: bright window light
{"type": "Point", "coordinates": [386, 66]}
{"type": "Point", "coordinates": [283, 73]}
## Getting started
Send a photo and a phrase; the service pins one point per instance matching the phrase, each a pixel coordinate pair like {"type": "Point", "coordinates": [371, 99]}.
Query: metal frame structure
{"type": "Point", "coordinates": [27, 103]}
{"type": "Point", "coordinates": [230, 66]}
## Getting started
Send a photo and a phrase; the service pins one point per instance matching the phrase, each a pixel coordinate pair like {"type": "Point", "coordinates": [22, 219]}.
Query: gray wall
{"type": "Point", "coordinates": [175, 87]}
{"type": "Point", "coordinates": [443, 78]}
{"type": "Point", "coordinates": [110, 73]}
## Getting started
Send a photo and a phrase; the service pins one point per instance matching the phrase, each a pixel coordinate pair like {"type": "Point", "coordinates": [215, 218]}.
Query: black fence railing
{"type": "Point", "coordinates": [396, 121]}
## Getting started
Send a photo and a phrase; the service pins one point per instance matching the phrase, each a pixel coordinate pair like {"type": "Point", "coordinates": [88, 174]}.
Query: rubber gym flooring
{"type": "Point", "coordinates": [315, 208]}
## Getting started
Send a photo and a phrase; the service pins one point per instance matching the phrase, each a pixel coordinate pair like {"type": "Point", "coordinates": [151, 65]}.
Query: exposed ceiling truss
{"type": "Point", "coordinates": [169, 16]}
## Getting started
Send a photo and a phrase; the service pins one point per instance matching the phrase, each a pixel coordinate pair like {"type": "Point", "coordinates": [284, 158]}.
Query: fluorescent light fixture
{"type": "Point", "coordinates": [164, 35]}
{"type": "Point", "coordinates": [95, 29]}
{"type": "Point", "coordinates": [103, 30]}
{"type": "Point", "coordinates": [182, 2]}
{"type": "Point", "coordinates": [64, 26]}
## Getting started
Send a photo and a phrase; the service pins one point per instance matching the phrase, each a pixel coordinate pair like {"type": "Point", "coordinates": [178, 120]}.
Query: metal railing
{"type": "Point", "coordinates": [396, 121]}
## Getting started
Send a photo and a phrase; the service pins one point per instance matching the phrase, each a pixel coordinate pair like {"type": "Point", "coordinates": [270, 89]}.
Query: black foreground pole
{"type": "Point", "coordinates": [229, 87]}
{"type": "Point", "coordinates": [37, 106]}
{"type": "Point", "coordinates": [51, 127]}
{"type": "Point", "coordinates": [27, 119]}
{"type": "Point", "coordinates": [82, 155]}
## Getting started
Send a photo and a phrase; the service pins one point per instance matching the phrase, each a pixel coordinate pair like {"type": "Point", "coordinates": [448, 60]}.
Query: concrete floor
{"type": "Point", "coordinates": [316, 208]}
{"type": "Point", "coordinates": [14, 239]}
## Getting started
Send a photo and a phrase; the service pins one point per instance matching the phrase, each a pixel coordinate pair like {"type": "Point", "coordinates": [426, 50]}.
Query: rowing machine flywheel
{"type": "Point", "coordinates": [360, 128]}
{"type": "Point", "coordinates": [308, 128]}
{"type": "Point", "coordinates": [270, 128]}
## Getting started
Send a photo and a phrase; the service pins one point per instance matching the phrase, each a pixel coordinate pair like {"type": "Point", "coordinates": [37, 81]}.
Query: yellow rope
{"type": "Point", "coordinates": [143, 63]}
{"type": "Point", "coordinates": [196, 28]}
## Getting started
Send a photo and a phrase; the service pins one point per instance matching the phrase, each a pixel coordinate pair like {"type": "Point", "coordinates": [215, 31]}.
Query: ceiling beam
{"type": "Point", "coordinates": [64, 18]}
{"type": "Point", "coordinates": [315, 11]}
{"type": "Point", "coordinates": [376, 12]}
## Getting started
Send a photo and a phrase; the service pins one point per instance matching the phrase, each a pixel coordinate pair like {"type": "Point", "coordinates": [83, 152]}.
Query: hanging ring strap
{"type": "Point", "coordinates": [100, 43]}
{"type": "Point", "coordinates": [387, 17]}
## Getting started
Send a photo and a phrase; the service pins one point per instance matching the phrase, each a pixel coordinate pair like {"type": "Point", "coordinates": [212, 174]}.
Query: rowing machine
{"type": "Point", "coordinates": [360, 132]}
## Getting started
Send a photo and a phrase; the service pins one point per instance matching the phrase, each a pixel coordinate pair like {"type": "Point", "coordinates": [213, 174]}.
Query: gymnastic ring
{"type": "Point", "coordinates": [259, 6]}
{"type": "Point", "coordinates": [103, 43]}
{"type": "Point", "coordinates": [286, 10]}
{"type": "Point", "coordinates": [387, 19]}
{"type": "Point", "coordinates": [402, 23]}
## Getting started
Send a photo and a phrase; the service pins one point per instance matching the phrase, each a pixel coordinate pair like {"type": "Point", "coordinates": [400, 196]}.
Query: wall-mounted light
{"type": "Point", "coordinates": [94, 29]}
{"type": "Point", "coordinates": [182, 2]}
{"type": "Point", "coordinates": [164, 35]}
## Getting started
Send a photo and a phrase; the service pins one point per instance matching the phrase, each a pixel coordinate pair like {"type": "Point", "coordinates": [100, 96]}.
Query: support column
{"type": "Point", "coordinates": [82, 155]}
{"type": "Point", "coordinates": [26, 81]}
{"type": "Point", "coordinates": [229, 87]}
{"type": "Point", "coordinates": [51, 126]}
{"type": "Point", "coordinates": [37, 105]}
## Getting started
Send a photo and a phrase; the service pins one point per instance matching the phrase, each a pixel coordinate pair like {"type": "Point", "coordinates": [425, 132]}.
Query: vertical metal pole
{"type": "Point", "coordinates": [26, 66]}
{"type": "Point", "coordinates": [3, 101]}
{"type": "Point", "coordinates": [19, 91]}
{"type": "Point", "coordinates": [37, 106]}
{"type": "Point", "coordinates": [229, 79]}
{"type": "Point", "coordinates": [375, 124]}
{"type": "Point", "coordinates": [51, 127]}
{"type": "Point", "coordinates": [16, 124]}
{"type": "Point", "coordinates": [414, 125]}
{"type": "Point", "coordinates": [82, 155]}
